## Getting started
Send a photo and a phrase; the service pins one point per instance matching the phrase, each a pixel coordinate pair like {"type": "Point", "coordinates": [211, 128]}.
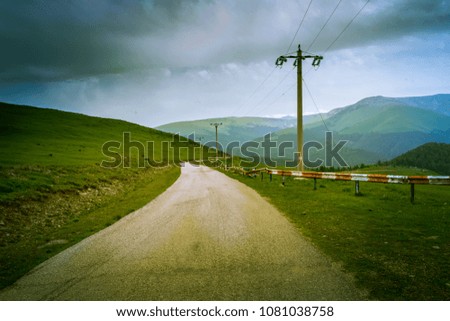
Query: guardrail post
{"type": "Point", "coordinates": [412, 193]}
{"type": "Point", "coordinates": [357, 191]}
{"type": "Point", "coordinates": [284, 180]}
{"type": "Point", "coordinates": [315, 183]}
{"type": "Point", "coordinates": [270, 175]}
{"type": "Point", "coordinates": [262, 176]}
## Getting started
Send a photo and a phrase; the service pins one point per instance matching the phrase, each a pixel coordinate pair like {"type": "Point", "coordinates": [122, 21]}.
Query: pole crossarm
{"type": "Point", "coordinates": [282, 59]}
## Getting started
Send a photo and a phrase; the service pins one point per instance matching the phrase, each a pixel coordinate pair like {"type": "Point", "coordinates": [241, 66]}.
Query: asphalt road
{"type": "Point", "coordinates": [208, 237]}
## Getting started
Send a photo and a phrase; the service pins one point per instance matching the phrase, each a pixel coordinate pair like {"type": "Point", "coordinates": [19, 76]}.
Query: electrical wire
{"type": "Point", "coordinates": [347, 26]}
{"type": "Point", "coordinates": [323, 27]}
{"type": "Point", "coordinates": [258, 108]}
{"type": "Point", "coordinates": [289, 88]}
{"type": "Point", "coordinates": [258, 105]}
{"type": "Point", "coordinates": [270, 74]}
{"type": "Point", "coordinates": [299, 26]}
{"type": "Point", "coordinates": [240, 107]}
{"type": "Point", "coordinates": [328, 48]}
{"type": "Point", "coordinates": [314, 103]}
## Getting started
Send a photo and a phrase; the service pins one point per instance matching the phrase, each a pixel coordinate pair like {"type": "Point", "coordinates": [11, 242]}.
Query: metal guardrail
{"type": "Point", "coordinates": [372, 178]}
{"type": "Point", "coordinates": [356, 177]}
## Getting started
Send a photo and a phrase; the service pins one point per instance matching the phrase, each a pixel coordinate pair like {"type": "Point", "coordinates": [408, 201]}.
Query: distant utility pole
{"type": "Point", "coordinates": [298, 63]}
{"type": "Point", "coordinates": [217, 139]}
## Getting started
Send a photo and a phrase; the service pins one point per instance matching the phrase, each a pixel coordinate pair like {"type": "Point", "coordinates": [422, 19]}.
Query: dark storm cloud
{"type": "Point", "coordinates": [57, 40]}
{"type": "Point", "coordinates": [387, 20]}
{"type": "Point", "coordinates": [60, 39]}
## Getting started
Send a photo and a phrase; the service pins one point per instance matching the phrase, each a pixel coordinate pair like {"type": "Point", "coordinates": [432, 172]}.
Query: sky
{"type": "Point", "coordinates": [153, 62]}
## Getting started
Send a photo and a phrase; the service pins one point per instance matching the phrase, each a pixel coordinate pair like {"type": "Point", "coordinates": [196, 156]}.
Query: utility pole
{"type": "Point", "coordinates": [217, 139]}
{"type": "Point", "coordinates": [298, 63]}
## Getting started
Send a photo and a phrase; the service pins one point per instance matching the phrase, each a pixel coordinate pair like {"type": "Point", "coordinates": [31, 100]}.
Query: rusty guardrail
{"type": "Point", "coordinates": [373, 178]}
{"type": "Point", "coordinates": [356, 177]}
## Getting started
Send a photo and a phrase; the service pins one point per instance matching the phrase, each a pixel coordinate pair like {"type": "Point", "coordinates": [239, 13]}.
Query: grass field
{"type": "Point", "coordinates": [396, 250]}
{"type": "Point", "coordinates": [53, 191]}
{"type": "Point", "coordinates": [39, 136]}
{"type": "Point", "coordinates": [57, 207]}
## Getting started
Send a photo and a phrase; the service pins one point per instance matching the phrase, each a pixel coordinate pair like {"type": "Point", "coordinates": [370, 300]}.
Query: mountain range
{"type": "Point", "coordinates": [375, 128]}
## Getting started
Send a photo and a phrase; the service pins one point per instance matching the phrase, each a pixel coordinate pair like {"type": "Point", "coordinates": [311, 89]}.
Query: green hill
{"type": "Point", "coordinates": [241, 129]}
{"type": "Point", "coordinates": [433, 156]}
{"type": "Point", "coordinates": [376, 128]}
{"type": "Point", "coordinates": [31, 135]}
{"type": "Point", "coordinates": [386, 115]}
{"type": "Point", "coordinates": [380, 128]}
{"type": "Point", "coordinates": [53, 191]}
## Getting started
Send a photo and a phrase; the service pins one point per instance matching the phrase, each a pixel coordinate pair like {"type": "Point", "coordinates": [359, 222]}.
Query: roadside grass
{"type": "Point", "coordinates": [51, 208]}
{"type": "Point", "coordinates": [39, 136]}
{"type": "Point", "coordinates": [54, 191]}
{"type": "Point", "coordinates": [396, 250]}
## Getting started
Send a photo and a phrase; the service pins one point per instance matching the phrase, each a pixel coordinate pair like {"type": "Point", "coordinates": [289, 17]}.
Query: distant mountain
{"type": "Point", "coordinates": [388, 115]}
{"type": "Point", "coordinates": [382, 127]}
{"type": "Point", "coordinates": [376, 128]}
{"type": "Point", "coordinates": [433, 156]}
{"type": "Point", "coordinates": [436, 103]}
{"type": "Point", "coordinates": [240, 129]}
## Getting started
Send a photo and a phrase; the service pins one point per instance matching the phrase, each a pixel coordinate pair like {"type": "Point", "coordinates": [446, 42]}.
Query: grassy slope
{"type": "Point", "coordinates": [434, 156]}
{"type": "Point", "coordinates": [351, 155]}
{"type": "Point", "coordinates": [393, 118]}
{"type": "Point", "coordinates": [41, 222]}
{"type": "Point", "coordinates": [53, 193]}
{"type": "Point", "coordinates": [395, 249]}
{"type": "Point", "coordinates": [49, 137]}
{"type": "Point", "coordinates": [379, 128]}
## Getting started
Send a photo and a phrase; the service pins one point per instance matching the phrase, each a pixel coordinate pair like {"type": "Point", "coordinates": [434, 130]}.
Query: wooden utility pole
{"type": "Point", "coordinates": [298, 63]}
{"type": "Point", "coordinates": [299, 110]}
{"type": "Point", "coordinates": [217, 139]}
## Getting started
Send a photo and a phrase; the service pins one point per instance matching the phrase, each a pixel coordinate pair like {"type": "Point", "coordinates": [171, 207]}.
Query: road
{"type": "Point", "coordinates": [208, 237]}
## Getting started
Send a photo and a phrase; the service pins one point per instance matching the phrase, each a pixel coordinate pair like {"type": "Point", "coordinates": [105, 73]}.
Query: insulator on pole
{"type": "Point", "coordinates": [316, 61]}
{"type": "Point", "coordinates": [280, 61]}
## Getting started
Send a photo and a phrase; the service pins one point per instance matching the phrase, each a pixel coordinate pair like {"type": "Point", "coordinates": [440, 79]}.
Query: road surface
{"type": "Point", "coordinates": [208, 237]}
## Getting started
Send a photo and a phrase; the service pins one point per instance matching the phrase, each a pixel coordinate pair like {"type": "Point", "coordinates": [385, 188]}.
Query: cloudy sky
{"type": "Point", "coordinates": [156, 61]}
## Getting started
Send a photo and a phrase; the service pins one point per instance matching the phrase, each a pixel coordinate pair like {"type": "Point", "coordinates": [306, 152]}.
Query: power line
{"type": "Point", "coordinates": [278, 97]}
{"type": "Point", "coordinates": [347, 26]}
{"type": "Point", "coordinates": [323, 27]}
{"type": "Point", "coordinates": [299, 26]}
{"type": "Point", "coordinates": [287, 90]}
{"type": "Point", "coordinates": [340, 34]}
{"type": "Point", "coordinates": [270, 74]}
{"type": "Point", "coordinates": [289, 48]}
{"type": "Point", "coordinates": [290, 45]}
{"type": "Point", "coordinates": [257, 105]}
{"type": "Point", "coordinates": [255, 91]}
{"type": "Point", "coordinates": [314, 102]}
